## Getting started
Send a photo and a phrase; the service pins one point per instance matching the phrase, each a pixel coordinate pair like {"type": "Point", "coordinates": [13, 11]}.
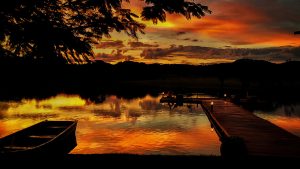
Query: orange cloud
{"type": "Point", "coordinates": [188, 54]}
{"type": "Point", "coordinates": [114, 57]}
{"type": "Point", "coordinates": [235, 23]}
{"type": "Point", "coordinates": [241, 22]}
{"type": "Point", "coordinates": [111, 44]}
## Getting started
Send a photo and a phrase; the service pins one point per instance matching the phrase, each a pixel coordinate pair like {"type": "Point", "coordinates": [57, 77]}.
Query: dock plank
{"type": "Point", "coordinates": [262, 138]}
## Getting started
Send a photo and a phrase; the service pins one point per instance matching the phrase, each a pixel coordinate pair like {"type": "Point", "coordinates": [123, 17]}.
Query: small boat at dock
{"type": "Point", "coordinates": [44, 138]}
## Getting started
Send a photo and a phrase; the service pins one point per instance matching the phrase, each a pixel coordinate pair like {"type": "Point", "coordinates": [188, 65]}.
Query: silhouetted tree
{"type": "Point", "coordinates": [297, 32]}
{"type": "Point", "coordinates": [65, 30]}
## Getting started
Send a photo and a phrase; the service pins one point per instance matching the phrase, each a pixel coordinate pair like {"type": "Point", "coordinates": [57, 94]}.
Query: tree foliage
{"type": "Point", "coordinates": [65, 30]}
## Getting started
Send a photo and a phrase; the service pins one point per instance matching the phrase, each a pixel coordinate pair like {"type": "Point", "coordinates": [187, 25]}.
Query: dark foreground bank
{"type": "Point", "coordinates": [145, 161]}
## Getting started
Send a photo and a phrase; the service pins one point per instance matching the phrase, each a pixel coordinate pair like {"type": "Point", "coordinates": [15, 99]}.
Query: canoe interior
{"type": "Point", "coordinates": [37, 135]}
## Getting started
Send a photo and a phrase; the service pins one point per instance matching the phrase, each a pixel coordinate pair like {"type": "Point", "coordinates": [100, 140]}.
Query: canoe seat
{"type": "Point", "coordinates": [42, 136]}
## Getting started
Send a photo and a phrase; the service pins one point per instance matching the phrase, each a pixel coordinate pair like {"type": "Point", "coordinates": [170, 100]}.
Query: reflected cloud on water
{"type": "Point", "coordinates": [286, 116]}
{"type": "Point", "coordinates": [117, 125]}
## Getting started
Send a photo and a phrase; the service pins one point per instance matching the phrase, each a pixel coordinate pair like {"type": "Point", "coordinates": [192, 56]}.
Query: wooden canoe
{"type": "Point", "coordinates": [44, 138]}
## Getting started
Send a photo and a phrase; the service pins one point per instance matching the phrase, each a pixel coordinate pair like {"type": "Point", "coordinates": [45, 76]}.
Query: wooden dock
{"type": "Point", "coordinates": [261, 137]}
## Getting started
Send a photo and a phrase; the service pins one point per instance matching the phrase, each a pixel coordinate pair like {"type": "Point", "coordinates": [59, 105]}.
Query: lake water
{"type": "Point", "coordinates": [285, 116]}
{"type": "Point", "coordinates": [116, 125]}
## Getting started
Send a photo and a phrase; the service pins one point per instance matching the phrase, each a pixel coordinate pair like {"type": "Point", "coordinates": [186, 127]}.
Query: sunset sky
{"type": "Point", "coordinates": [255, 29]}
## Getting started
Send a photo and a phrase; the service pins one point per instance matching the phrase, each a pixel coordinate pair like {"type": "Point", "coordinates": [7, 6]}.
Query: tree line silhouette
{"type": "Point", "coordinates": [242, 76]}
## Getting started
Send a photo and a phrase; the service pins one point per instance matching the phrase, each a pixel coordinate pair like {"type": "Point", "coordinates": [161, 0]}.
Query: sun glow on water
{"type": "Point", "coordinates": [117, 125]}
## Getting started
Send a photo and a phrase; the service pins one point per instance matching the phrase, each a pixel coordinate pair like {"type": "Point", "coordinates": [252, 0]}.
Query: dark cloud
{"type": "Point", "coordinates": [142, 45]}
{"type": "Point", "coordinates": [160, 52]}
{"type": "Point", "coordinates": [276, 54]}
{"type": "Point", "coordinates": [189, 39]}
{"type": "Point", "coordinates": [180, 33]}
{"type": "Point", "coordinates": [165, 33]}
{"type": "Point", "coordinates": [115, 55]}
{"type": "Point", "coordinates": [111, 44]}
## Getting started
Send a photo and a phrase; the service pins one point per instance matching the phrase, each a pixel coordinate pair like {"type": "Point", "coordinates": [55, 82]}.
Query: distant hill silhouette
{"type": "Point", "coordinates": [250, 61]}
{"type": "Point", "coordinates": [21, 78]}
{"type": "Point", "coordinates": [127, 70]}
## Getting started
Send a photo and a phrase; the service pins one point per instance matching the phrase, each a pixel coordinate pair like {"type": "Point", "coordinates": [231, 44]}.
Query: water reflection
{"type": "Point", "coordinates": [286, 116]}
{"type": "Point", "coordinates": [115, 125]}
